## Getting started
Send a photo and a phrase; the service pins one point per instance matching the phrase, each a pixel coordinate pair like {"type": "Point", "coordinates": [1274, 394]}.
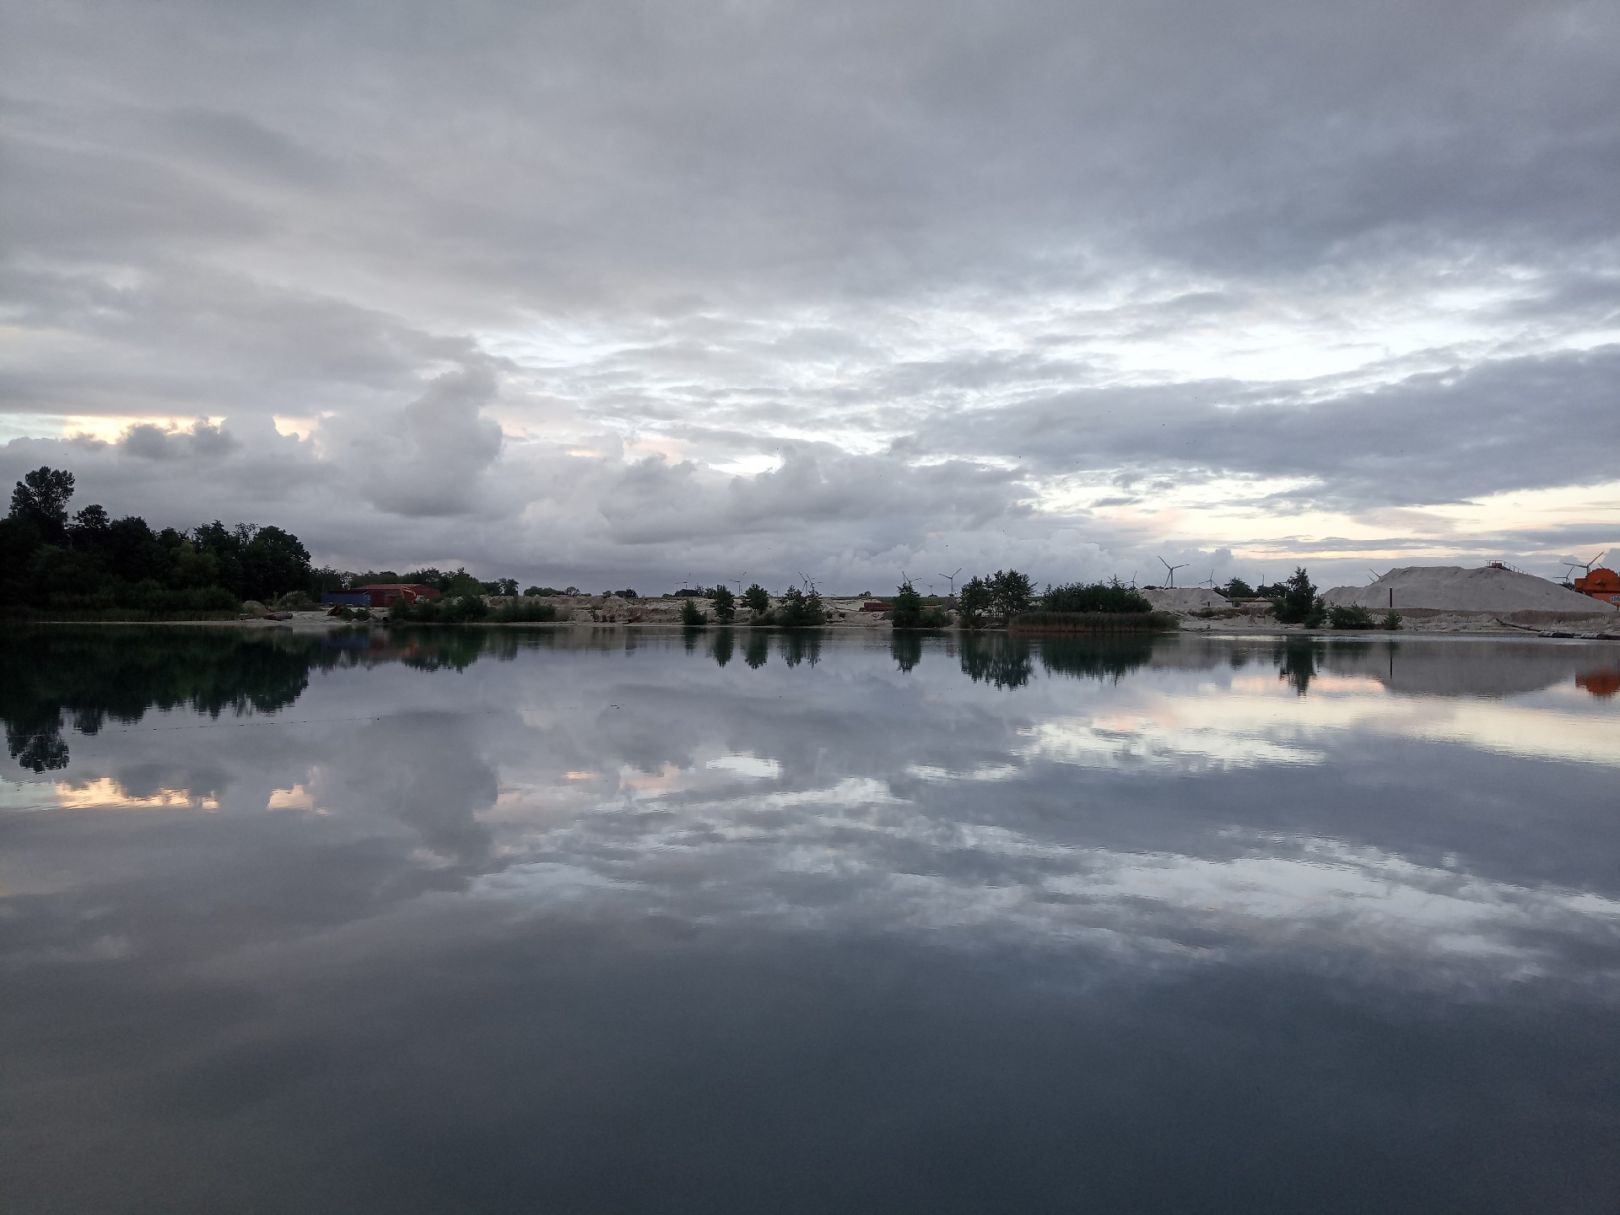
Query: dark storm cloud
{"type": "Point", "coordinates": [1058, 239]}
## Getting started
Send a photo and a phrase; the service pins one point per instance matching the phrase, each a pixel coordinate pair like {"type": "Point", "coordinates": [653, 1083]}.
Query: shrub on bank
{"type": "Point", "coordinates": [1298, 603]}
{"type": "Point", "coordinates": [522, 612]}
{"type": "Point", "coordinates": [452, 609]}
{"type": "Point", "coordinates": [1349, 616]}
{"type": "Point", "coordinates": [799, 610]}
{"type": "Point", "coordinates": [1093, 622]}
{"type": "Point", "coordinates": [1094, 597]}
{"type": "Point", "coordinates": [905, 610]}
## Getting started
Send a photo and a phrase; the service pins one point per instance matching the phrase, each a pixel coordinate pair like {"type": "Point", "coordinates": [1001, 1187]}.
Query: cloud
{"type": "Point", "coordinates": [426, 458]}
{"type": "Point", "coordinates": [1098, 252]}
{"type": "Point", "coordinates": [1434, 437]}
{"type": "Point", "coordinates": [202, 442]}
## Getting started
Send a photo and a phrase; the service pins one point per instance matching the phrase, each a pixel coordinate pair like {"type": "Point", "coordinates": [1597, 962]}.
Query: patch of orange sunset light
{"type": "Point", "coordinates": [105, 793]}
{"type": "Point", "coordinates": [295, 798]}
{"type": "Point", "coordinates": [110, 428]}
{"type": "Point", "coordinates": [297, 426]}
{"type": "Point", "coordinates": [648, 784]}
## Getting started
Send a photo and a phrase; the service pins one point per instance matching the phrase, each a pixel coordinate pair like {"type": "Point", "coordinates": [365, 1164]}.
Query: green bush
{"type": "Point", "coordinates": [1011, 593]}
{"type": "Point", "coordinates": [691, 617]}
{"type": "Point", "coordinates": [522, 612]}
{"type": "Point", "coordinates": [799, 610]}
{"type": "Point", "coordinates": [294, 601]}
{"type": "Point", "coordinates": [906, 610]}
{"type": "Point", "coordinates": [1298, 602]}
{"type": "Point", "coordinates": [1093, 597]}
{"type": "Point", "coordinates": [757, 599]}
{"type": "Point", "coordinates": [1349, 616]}
{"type": "Point", "coordinates": [451, 609]}
{"type": "Point", "coordinates": [1236, 588]}
{"type": "Point", "coordinates": [1391, 620]}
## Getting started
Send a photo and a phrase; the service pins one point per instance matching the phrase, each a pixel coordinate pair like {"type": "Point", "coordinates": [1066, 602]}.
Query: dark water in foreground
{"type": "Point", "coordinates": [538, 922]}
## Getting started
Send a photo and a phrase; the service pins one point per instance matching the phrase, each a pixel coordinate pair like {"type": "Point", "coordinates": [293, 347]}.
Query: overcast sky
{"type": "Point", "coordinates": [612, 293]}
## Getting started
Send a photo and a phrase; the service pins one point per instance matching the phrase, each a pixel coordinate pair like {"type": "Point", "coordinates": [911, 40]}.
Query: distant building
{"type": "Point", "coordinates": [386, 594]}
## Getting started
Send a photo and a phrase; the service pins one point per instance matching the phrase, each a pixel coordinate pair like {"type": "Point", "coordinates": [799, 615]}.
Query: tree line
{"type": "Point", "coordinates": [90, 563]}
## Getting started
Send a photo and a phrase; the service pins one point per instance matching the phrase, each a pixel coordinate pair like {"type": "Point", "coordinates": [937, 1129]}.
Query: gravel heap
{"type": "Point", "coordinates": [1452, 588]}
{"type": "Point", "coordinates": [1185, 599]}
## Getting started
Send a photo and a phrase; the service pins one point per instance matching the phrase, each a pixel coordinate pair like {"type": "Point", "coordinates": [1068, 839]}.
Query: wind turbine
{"type": "Point", "coordinates": [1209, 583]}
{"type": "Point", "coordinates": [951, 578]}
{"type": "Point", "coordinates": [1171, 569]}
{"type": "Point", "coordinates": [1584, 566]}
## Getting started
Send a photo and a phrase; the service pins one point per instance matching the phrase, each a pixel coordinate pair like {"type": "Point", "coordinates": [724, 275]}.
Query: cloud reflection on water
{"type": "Point", "coordinates": [501, 880]}
{"type": "Point", "coordinates": [1010, 806]}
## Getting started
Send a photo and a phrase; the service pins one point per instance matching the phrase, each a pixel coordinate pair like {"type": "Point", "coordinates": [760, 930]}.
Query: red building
{"type": "Point", "coordinates": [386, 594]}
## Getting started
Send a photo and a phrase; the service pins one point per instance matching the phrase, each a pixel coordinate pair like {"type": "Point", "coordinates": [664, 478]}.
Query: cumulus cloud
{"type": "Point", "coordinates": [426, 458]}
{"type": "Point", "coordinates": [202, 441]}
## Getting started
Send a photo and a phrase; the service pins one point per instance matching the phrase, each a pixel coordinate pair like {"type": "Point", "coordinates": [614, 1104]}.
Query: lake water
{"type": "Point", "coordinates": [627, 921]}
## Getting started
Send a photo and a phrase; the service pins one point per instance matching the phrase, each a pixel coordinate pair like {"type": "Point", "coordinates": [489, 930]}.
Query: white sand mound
{"type": "Point", "coordinates": [1451, 588]}
{"type": "Point", "coordinates": [1186, 599]}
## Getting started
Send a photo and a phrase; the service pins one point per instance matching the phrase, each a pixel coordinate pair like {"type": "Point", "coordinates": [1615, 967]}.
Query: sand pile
{"type": "Point", "coordinates": [1451, 588]}
{"type": "Point", "coordinates": [1186, 599]}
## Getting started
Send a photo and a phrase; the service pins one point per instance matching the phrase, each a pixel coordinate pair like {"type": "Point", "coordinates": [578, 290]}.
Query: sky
{"type": "Point", "coordinates": [627, 294]}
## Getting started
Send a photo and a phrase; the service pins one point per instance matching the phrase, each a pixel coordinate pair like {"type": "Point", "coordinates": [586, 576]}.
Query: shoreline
{"type": "Point", "coordinates": [1593, 628]}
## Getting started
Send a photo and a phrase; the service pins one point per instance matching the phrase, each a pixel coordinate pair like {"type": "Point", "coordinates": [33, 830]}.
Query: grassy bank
{"type": "Point", "coordinates": [113, 615]}
{"type": "Point", "coordinates": [1093, 622]}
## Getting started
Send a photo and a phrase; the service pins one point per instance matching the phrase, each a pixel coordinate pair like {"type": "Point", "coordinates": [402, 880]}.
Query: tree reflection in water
{"type": "Point", "coordinates": [85, 677]}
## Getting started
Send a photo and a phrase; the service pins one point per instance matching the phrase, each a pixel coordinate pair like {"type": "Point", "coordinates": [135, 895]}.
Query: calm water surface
{"type": "Point", "coordinates": [611, 922]}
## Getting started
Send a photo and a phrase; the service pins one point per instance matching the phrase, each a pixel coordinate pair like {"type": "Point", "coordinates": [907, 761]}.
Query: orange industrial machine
{"type": "Point", "coordinates": [1602, 584]}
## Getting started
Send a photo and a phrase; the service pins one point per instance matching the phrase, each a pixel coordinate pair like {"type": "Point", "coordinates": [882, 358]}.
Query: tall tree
{"type": "Point", "coordinates": [907, 608]}
{"type": "Point", "coordinates": [974, 602]}
{"type": "Point", "coordinates": [1012, 593]}
{"type": "Point", "coordinates": [41, 498]}
{"type": "Point", "coordinates": [273, 563]}
{"type": "Point", "coordinates": [1299, 603]}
